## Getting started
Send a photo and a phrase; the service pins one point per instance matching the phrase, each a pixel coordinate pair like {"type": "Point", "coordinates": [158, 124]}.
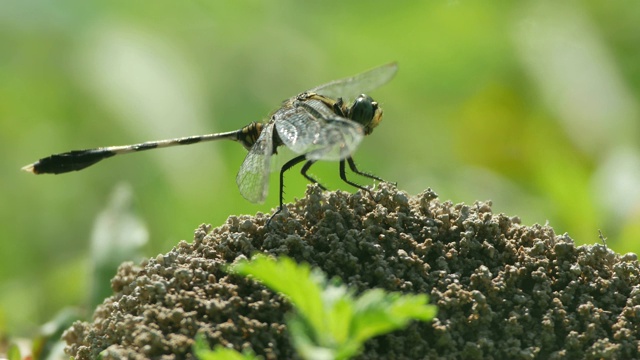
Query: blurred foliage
{"type": "Point", "coordinates": [530, 104]}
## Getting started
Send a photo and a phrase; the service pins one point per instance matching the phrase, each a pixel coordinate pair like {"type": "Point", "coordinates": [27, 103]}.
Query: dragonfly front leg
{"type": "Point", "coordinates": [343, 176]}
{"type": "Point", "coordinates": [352, 166]}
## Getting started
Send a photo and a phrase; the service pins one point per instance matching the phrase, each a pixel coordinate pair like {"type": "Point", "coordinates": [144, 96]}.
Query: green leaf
{"type": "Point", "coordinates": [339, 319]}
{"type": "Point", "coordinates": [330, 322]}
{"type": "Point", "coordinates": [295, 281]}
{"type": "Point", "coordinates": [414, 307]}
{"type": "Point", "coordinates": [203, 352]}
{"type": "Point", "coordinates": [307, 347]}
{"type": "Point", "coordinates": [378, 312]}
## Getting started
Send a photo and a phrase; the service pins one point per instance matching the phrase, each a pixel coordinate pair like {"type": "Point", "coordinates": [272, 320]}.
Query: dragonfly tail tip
{"type": "Point", "coordinates": [29, 168]}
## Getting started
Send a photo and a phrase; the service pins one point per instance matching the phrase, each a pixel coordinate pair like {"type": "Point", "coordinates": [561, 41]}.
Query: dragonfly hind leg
{"type": "Point", "coordinates": [304, 170]}
{"type": "Point", "coordinates": [288, 165]}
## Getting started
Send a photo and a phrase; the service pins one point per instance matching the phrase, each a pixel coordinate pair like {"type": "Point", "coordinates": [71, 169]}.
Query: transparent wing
{"type": "Point", "coordinates": [310, 127]}
{"type": "Point", "coordinates": [340, 136]}
{"type": "Point", "coordinates": [351, 87]}
{"type": "Point", "coordinates": [253, 177]}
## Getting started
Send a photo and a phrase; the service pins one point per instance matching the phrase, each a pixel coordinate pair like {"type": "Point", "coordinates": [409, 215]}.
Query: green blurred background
{"type": "Point", "coordinates": [530, 104]}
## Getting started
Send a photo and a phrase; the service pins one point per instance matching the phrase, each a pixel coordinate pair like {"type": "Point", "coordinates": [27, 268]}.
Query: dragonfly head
{"type": "Point", "coordinates": [366, 112]}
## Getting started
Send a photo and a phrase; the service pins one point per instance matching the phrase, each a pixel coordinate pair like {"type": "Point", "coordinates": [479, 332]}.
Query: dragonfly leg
{"type": "Point", "coordinates": [343, 175]}
{"type": "Point", "coordinates": [288, 165]}
{"type": "Point", "coordinates": [352, 166]}
{"type": "Point", "coordinates": [304, 170]}
{"type": "Point", "coordinates": [337, 107]}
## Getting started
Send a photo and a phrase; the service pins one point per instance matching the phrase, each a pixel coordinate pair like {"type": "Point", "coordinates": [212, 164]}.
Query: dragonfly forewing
{"type": "Point", "coordinates": [349, 88]}
{"type": "Point", "coordinates": [311, 127]}
{"type": "Point", "coordinates": [337, 140]}
{"type": "Point", "coordinates": [253, 177]}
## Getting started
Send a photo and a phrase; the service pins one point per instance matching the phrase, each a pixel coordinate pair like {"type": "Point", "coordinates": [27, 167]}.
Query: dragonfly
{"type": "Point", "coordinates": [326, 122]}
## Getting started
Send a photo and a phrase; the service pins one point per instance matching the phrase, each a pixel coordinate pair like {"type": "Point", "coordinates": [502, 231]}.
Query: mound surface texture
{"type": "Point", "coordinates": [503, 290]}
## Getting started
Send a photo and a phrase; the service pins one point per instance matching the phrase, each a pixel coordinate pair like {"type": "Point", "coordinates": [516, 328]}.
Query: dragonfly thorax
{"type": "Point", "coordinates": [365, 112]}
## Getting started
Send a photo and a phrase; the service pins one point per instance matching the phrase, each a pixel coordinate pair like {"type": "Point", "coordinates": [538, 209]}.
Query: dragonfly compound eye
{"type": "Point", "coordinates": [366, 112]}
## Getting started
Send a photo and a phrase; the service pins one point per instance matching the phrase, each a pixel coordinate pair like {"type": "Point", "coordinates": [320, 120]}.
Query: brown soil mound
{"type": "Point", "coordinates": [503, 290]}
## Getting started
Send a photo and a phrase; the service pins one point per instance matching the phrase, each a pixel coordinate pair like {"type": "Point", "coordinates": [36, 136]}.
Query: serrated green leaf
{"type": "Point", "coordinates": [307, 347]}
{"type": "Point", "coordinates": [331, 323]}
{"type": "Point", "coordinates": [339, 319]}
{"type": "Point", "coordinates": [415, 307]}
{"type": "Point", "coordinates": [203, 352]}
{"type": "Point", "coordinates": [291, 279]}
{"type": "Point", "coordinates": [378, 312]}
